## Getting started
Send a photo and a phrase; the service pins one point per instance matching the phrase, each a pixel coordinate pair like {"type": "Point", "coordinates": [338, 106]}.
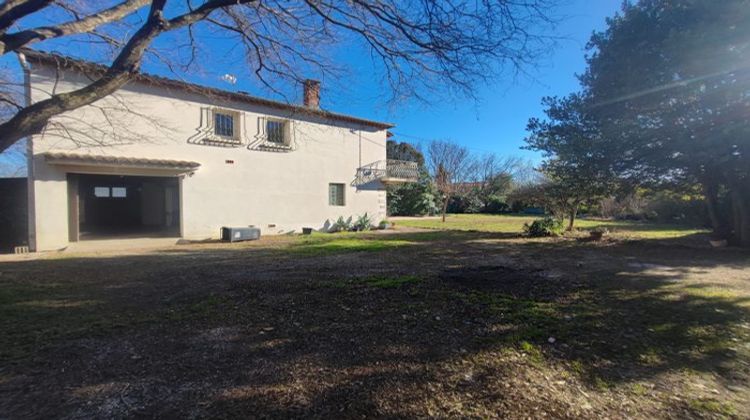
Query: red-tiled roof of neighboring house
{"type": "Point", "coordinates": [87, 67]}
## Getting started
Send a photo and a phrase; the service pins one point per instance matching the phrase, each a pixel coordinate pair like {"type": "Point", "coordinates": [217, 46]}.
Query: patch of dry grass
{"type": "Point", "coordinates": [514, 224]}
{"type": "Point", "coordinates": [442, 323]}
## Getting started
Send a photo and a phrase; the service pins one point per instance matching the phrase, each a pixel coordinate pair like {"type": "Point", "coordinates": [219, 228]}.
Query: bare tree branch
{"type": "Point", "coordinates": [11, 11]}
{"type": "Point", "coordinates": [420, 48]}
{"type": "Point", "coordinates": [15, 41]}
{"type": "Point", "coordinates": [451, 166]}
{"type": "Point", "coordinates": [33, 118]}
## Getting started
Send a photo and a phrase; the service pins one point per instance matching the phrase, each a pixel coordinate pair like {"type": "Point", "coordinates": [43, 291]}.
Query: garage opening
{"type": "Point", "coordinates": [109, 206]}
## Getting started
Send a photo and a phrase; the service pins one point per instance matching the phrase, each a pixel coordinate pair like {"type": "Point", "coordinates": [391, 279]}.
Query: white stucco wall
{"type": "Point", "coordinates": [261, 188]}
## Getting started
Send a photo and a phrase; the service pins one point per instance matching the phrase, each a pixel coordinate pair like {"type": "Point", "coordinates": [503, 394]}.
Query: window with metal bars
{"type": "Point", "coordinates": [336, 194]}
{"type": "Point", "coordinates": [276, 132]}
{"type": "Point", "coordinates": [224, 124]}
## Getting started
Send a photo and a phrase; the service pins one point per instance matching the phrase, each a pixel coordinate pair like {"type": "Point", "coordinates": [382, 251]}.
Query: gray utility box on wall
{"type": "Point", "coordinates": [236, 234]}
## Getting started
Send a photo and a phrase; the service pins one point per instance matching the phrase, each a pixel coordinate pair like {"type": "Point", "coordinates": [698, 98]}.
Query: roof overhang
{"type": "Point", "coordinates": [93, 69]}
{"type": "Point", "coordinates": [118, 165]}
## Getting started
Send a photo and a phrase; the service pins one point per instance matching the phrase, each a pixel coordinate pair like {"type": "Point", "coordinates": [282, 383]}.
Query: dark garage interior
{"type": "Point", "coordinates": [123, 206]}
{"type": "Point", "coordinates": [13, 214]}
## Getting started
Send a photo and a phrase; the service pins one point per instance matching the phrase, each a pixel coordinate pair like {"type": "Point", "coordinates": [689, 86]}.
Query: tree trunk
{"type": "Point", "coordinates": [740, 216]}
{"type": "Point", "coordinates": [572, 218]}
{"type": "Point", "coordinates": [745, 235]}
{"type": "Point", "coordinates": [718, 224]}
{"type": "Point", "coordinates": [445, 206]}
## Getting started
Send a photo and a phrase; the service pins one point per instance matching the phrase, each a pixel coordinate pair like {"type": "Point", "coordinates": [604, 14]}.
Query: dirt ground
{"type": "Point", "coordinates": [405, 324]}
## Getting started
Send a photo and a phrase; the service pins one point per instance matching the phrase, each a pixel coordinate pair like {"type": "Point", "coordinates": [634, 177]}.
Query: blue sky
{"type": "Point", "coordinates": [497, 123]}
{"type": "Point", "coordinates": [494, 123]}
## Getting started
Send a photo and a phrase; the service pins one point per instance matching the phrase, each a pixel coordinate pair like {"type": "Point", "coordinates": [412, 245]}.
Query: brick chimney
{"type": "Point", "coordinates": [312, 94]}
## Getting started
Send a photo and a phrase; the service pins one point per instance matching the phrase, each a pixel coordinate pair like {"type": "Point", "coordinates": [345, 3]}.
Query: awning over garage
{"type": "Point", "coordinates": [101, 164]}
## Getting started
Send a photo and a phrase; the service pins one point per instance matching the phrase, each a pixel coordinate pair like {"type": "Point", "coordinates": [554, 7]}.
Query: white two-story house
{"type": "Point", "coordinates": [167, 158]}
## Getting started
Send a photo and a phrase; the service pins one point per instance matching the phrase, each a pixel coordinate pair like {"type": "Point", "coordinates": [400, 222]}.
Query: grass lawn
{"type": "Point", "coordinates": [469, 322]}
{"type": "Point", "coordinates": [514, 224]}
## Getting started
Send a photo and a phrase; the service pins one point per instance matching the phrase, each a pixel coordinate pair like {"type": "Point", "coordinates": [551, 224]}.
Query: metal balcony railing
{"type": "Point", "coordinates": [388, 171]}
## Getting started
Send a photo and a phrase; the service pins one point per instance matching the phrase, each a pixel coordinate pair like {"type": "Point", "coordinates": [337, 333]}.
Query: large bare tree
{"type": "Point", "coordinates": [452, 167]}
{"type": "Point", "coordinates": [417, 45]}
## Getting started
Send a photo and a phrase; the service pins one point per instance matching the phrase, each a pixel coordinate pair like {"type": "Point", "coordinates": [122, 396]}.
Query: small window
{"type": "Point", "coordinates": [276, 132]}
{"type": "Point", "coordinates": [101, 192]}
{"type": "Point", "coordinates": [119, 192]}
{"type": "Point", "coordinates": [336, 194]}
{"type": "Point", "coordinates": [224, 124]}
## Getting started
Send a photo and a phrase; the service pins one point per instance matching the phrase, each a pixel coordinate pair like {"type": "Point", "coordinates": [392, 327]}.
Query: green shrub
{"type": "Point", "coordinates": [548, 226]}
{"type": "Point", "coordinates": [412, 199]}
{"type": "Point", "coordinates": [341, 225]}
{"type": "Point", "coordinates": [468, 203]}
{"type": "Point", "coordinates": [364, 222]}
{"type": "Point", "coordinates": [673, 208]}
{"type": "Point", "coordinates": [495, 205]}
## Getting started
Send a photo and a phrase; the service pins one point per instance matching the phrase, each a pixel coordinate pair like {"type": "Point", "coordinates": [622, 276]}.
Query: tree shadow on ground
{"type": "Point", "coordinates": [450, 321]}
